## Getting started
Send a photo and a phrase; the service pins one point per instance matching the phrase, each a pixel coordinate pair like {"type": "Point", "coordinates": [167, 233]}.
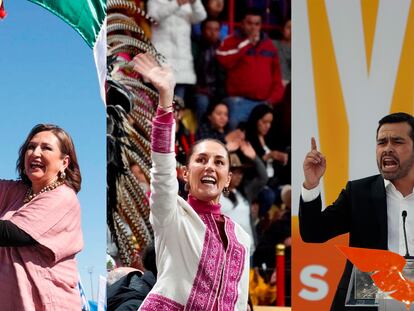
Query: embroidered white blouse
{"type": "Point", "coordinates": [195, 272]}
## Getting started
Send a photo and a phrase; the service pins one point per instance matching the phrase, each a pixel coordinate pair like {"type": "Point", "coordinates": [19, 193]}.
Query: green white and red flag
{"type": "Point", "coordinates": [88, 18]}
{"type": "Point", "coordinates": [85, 16]}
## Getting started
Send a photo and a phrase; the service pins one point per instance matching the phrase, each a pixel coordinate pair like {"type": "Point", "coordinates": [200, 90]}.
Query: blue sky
{"type": "Point", "coordinates": [48, 75]}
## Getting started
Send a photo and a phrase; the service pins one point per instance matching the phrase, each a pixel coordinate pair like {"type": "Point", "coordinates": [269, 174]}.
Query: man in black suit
{"type": "Point", "coordinates": [369, 208]}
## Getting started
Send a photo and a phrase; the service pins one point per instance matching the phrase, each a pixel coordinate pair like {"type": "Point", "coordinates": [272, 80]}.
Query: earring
{"type": "Point", "coordinates": [62, 175]}
{"type": "Point", "coordinates": [187, 187]}
{"type": "Point", "coordinates": [226, 191]}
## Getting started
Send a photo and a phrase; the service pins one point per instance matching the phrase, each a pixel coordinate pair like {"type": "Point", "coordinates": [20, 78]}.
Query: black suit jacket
{"type": "Point", "coordinates": [361, 210]}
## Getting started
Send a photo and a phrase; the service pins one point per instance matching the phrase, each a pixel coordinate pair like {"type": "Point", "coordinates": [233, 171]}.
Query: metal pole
{"type": "Point", "coordinates": [90, 271]}
{"type": "Point", "coordinates": [280, 274]}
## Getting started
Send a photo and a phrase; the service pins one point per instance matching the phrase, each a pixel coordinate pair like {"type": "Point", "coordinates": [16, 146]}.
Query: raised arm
{"type": "Point", "coordinates": [316, 225]}
{"type": "Point", "coordinates": [314, 166]}
{"type": "Point", "coordinates": [253, 187]}
{"type": "Point", "coordinates": [160, 10]}
{"type": "Point", "coordinates": [160, 76]}
{"type": "Point", "coordinates": [198, 11]}
{"type": "Point", "coordinates": [164, 185]}
{"type": "Point", "coordinates": [231, 51]}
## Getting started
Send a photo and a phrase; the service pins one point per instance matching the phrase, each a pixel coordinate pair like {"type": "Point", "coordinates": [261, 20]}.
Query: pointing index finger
{"type": "Point", "coordinates": [313, 144]}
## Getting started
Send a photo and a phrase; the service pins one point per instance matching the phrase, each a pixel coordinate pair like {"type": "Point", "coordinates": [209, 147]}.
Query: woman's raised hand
{"type": "Point", "coordinates": [280, 156]}
{"type": "Point", "coordinates": [160, 76]}
{"type": "Point", "coordinates": [247, 150]}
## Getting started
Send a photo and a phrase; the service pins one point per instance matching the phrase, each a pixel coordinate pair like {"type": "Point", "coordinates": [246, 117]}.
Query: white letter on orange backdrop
{"type": "Point", "coordinates": [306, 278]}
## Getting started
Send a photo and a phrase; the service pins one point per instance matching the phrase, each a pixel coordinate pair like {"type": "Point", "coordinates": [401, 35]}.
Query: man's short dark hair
{"type": "Point", "coordinates": [398, 117]}
{"type": "Point", "coordinates": [252, 11]}
{"type": "Point", "coordinates": [207, 20]}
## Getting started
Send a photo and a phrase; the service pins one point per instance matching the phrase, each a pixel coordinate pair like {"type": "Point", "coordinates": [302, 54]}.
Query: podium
{"type": "Point", "coordinates": [362, 291]}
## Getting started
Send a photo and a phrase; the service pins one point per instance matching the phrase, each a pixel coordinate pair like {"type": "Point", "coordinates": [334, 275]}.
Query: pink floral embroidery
{"type": "Point", "coordinates": [155, 302]}
{"type": "Point", "coordinates": [233, 269]}
{"type": "Point", "coordinates": [162, 130]}
{"type": "Point", "coordinates": [207, 280]}
{"type": "Point", "coordinates": [210, 268]}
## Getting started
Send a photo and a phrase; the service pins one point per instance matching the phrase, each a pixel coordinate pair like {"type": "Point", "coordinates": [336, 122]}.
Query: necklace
{"type": "Point", "coordinates": [30, 195]}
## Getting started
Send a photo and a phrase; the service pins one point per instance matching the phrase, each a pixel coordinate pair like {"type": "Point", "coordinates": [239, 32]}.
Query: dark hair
{"type": "Point", "coordinates": [257, 113]}
{"type": "Point", "coordinates": [191, 151]}
{"type": "Point", "coordinates": [210, 109]}
{"type": "Point", "coordinates": [250, 303]}
{"type": "Point", "coordinates": [149, 258]}
{"type": "Point", "coordinates": [398, 117]}
{"type": "Point", "coordinates": [252, 11]}
{"type": "Point", "coordinates": [221, 15]}
{"type": "Point", "coordinates": [213, 105]}
{"type": "Point", "coordinates": [209, 19]}
{"type": "Point", "coordinates": [73, 176]}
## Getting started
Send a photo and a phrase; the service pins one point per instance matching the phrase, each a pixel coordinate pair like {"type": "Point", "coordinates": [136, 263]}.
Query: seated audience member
{"type": "Point", "coordinates": [215, 10]}
{"type": "Point", "coordinates": [210, 74]}
{"type": "Point", "coordinates": [275, 11]}
{"type": "Point", "coordinates": [238, 204]}
{"type": "Point", "coordinates": [128, 287]}
{"type": "Point", "coordinates": [280, 134]}
{"type": "Point", "coordinates": [284, 51]}
{"type": "Point", "coordinates": [257, 129]}
{"type": "Point", "coordinates": [171, 36]}
{"type": "Point", "coordinates": [252, 67]}
{"type": "Point", "coordinates": [279, 232]}
{"type": "Point", "coordinates": [184, 139]}
{"type": "Point", "coordinates": [215, 125]}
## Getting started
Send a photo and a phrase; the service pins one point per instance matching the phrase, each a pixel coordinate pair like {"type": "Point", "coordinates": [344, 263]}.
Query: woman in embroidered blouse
{"type": "Point", "coordinates": [202, 256]}
{"type": "Point", "coordinates": [40, 230]}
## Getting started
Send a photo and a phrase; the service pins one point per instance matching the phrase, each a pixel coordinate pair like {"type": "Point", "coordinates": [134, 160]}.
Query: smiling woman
{"type": "Point", "coordinates": [57, 84]}
{"type": "Point", "coordinates": [207, 172]}
{"type": "Point", "coordinates": [48, 152]}
{"type": "Point", "coordinates": [40, 230]}
{"type": "Point", "coordinates": [202, 255]}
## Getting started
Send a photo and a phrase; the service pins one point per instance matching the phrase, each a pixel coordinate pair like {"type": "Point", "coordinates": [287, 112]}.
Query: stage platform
{"type": "Point", "coordinates": [265, 308]}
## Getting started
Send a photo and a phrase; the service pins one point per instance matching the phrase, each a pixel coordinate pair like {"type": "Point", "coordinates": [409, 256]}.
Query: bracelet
{"type": "Point", "coordinates": [165, 110]}
{"type": "Point", "coordinates": [168, 107]}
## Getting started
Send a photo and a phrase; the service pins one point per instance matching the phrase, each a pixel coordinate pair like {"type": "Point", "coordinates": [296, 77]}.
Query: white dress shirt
{"type": "Point", "coordinates": [396, 203]}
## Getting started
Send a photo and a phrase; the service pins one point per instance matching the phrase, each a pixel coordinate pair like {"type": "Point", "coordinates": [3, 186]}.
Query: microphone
{"type": "Point", "coordinates": [407, 254]}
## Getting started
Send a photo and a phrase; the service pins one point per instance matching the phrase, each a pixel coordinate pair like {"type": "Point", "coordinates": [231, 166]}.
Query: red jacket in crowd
{"type": "Point", "coordinates": [253, 71]}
